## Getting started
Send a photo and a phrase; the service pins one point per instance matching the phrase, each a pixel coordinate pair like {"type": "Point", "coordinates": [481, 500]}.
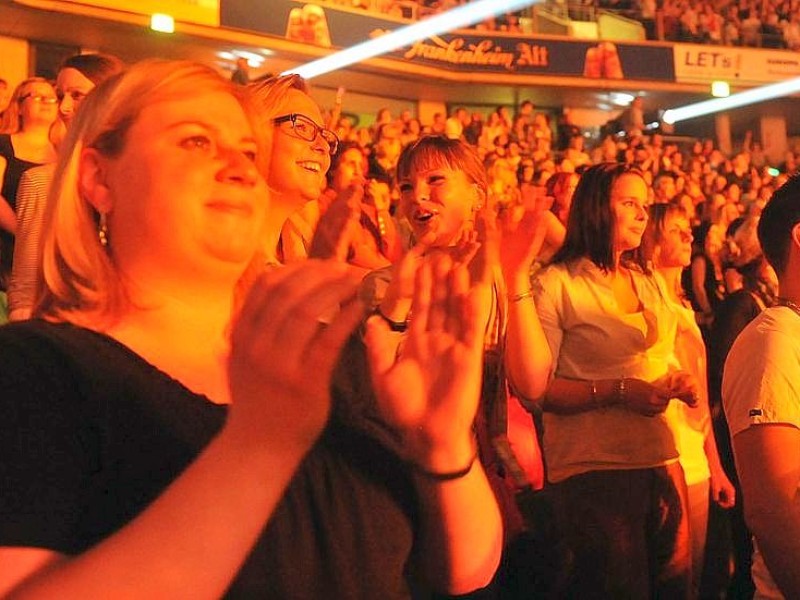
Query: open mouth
{"type": "Point", "coordinates": [422, 215]}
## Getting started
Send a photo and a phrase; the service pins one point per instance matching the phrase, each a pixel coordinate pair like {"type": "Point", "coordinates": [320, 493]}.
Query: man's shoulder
{"type": "Point", "coordinates": [759, 379]}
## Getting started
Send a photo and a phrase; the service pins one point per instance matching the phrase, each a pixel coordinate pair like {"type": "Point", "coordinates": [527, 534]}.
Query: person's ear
{"type": "Point", "coordinates": [93, 171]}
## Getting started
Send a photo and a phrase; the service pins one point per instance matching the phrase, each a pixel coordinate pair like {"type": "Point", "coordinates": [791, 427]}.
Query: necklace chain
{"type": "Point", "coordinates": [789, 304]}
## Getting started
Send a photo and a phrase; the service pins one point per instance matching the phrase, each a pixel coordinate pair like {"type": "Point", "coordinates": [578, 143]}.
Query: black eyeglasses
{"type": "Point", "coordinates": [307, 130]}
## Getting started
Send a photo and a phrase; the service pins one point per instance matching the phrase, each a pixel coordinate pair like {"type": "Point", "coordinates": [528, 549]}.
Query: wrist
{"type": "Point", "coordinates": [395, 310]}
{"type": "Point", "coordinates": [518, 281]}
{"type": "Point", "coordinates": [398, 326]}
{"type": "Point", "coordinates": [605, 392]}
{"type": "Point", "coordinates": [443, 462]}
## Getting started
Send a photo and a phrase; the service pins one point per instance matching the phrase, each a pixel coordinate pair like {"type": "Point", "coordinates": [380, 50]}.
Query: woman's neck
{"type": "Point", "coordinates": [672, 277]}
{"type": "Point", "coordinates": [281, 207]}
{"type": "Point", "coordinates": [189, 341]}
{"type": "Point", "coordinates": [35, 130]}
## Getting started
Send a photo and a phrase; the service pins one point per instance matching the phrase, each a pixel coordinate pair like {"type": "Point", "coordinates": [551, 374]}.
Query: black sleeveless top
{"type": "Point", "coordinates": [15, 167]}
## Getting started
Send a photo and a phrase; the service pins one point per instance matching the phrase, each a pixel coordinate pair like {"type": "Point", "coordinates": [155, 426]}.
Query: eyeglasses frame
{"type": "Point", "coordinates": [333, 142]}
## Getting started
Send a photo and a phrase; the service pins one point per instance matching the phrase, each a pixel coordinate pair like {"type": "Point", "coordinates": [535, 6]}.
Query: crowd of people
{"type": "Point", "coordinates": [256, 351]}
{"type": "Point", "coordinates": [754, 23]}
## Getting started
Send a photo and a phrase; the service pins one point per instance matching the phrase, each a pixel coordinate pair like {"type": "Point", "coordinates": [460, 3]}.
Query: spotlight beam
{"type": "Point", "coordinates": [707, 107]}
{"type": "Point", "coordinates": [461, 16]}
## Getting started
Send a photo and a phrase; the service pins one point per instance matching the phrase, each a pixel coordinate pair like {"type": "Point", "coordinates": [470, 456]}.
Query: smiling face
{"type": "Point", "coordinates": [184, 198]}
{"type": "Point", "coordinates": [438, 199]}
{"type": "Point", "coordinates": [629, 208]}
{"type": "Point", "coordinates": [298, 166]}
{"type": "Point", "coordinates": [37, 104]}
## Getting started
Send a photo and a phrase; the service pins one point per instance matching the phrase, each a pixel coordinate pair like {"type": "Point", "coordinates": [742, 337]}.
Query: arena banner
{"type": "Point", "coordinates": [324, 24]}
{"type": "Point", "coordinates": [201, 12]}
{"type": "Point", "coordinates": [704, 64]}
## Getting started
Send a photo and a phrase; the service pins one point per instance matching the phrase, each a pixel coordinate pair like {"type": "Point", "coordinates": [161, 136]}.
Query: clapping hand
{"type": "Point", "coordinates": [522, 231]}
{"type": "Point", "coordinates": [337, 226]}
{"type": "Point", "coordinates": [282, 355]}
{"type": "Point", "coordinates": [429, 387]}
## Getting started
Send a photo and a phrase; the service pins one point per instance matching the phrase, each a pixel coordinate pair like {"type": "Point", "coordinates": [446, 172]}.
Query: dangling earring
{"type": "Point", "coordinates": [102, 230]}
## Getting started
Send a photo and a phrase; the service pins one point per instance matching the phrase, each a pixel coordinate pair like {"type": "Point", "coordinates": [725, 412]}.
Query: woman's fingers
{"type": "Point", "coordinates": [282, 315]}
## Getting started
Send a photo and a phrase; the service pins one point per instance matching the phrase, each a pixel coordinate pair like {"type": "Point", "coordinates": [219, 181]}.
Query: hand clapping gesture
{"type": "Point", "coordinates": [429, 387]}
{"type": "Point", "coordinates": [283, 355]}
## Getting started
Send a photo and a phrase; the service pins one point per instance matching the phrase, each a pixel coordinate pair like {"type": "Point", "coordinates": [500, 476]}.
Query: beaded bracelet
{"type": "Point", "coordinates": [522, 296]}
{"type": "Point", "coordinates": [621, 390]}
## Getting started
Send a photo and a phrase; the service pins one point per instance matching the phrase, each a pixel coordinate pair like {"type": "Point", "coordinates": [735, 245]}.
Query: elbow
{"type": "Point", "coordinates": [530, 393]}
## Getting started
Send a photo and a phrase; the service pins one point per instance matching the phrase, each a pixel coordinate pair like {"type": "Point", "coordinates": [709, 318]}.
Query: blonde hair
{"type": "Point", "coordinates": [78, 280]}
{"type": "Point", "coordinates": [263, 98]}
{"type": "Point", "coordinates": [11, 121]}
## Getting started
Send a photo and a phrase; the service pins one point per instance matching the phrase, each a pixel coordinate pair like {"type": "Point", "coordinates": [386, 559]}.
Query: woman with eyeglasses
{"type": "Point", "coordinates": [77, 76]}
{"type": "Point", "coordinates": [615, 482]}
{"type": "Point", "coordinates": [25, 142]}
{"type": "Point", "coordinates": [291, 124]}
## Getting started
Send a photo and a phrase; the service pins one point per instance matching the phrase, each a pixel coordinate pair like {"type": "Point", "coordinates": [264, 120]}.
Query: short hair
{"type": "Point", "coordinates": [779, 217]}
{"type": "Point", "coordinates": [78, 280]}
{"type": "Point", "coordinates": [263, 98]}
{"type": "Point", "coordinates": [435, 151]}
{"type": "Point", "coordinates": [590, 227]}
{"type": "Point", "coordinates": [95, 67]}
{"type": "Point", "coordinates": [11, 120]}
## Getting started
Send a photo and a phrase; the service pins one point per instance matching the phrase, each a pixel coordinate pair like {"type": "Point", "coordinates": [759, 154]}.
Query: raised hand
{"type": "Point", "coordinates": [396, 303]}
{"type": "Point", "coordinates": [522, 231]}
{"type": "Point", "coordinates": [284, 345]}
{"type": "Point", "coordinates": [336, 227]}
{"type": "Point", "coordinates": [429, 387]}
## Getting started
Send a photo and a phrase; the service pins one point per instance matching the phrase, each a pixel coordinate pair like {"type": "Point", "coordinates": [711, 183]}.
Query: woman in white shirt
{"type": "Point", "coordinates": [616, 486]}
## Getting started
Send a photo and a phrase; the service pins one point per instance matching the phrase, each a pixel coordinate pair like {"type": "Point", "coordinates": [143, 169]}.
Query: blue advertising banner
{"type": "Point", "coordinates": [470, 51]}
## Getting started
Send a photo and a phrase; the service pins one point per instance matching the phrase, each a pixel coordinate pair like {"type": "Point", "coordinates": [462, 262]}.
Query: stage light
{"type": "Point", "coordinates": [720, 89]}
{"type": "Point", "coordinates": [707, 107]}
{"type": "Point", "coordinates": [621, 99]}
{"type": "Point", "coordinates": [461, 16]}
{"type": "Point", "coordinates": [162, 23]}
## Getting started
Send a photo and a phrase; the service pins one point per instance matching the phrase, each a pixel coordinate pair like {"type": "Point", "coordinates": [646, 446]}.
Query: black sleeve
{"type": "Point", "coordinates": [44, 446]}
{"type": "Point", "coordinates": [732, 317]}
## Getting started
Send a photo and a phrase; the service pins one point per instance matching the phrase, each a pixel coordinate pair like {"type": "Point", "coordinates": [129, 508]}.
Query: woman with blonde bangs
{"type": "Point", "coordinates": [289, 123]}
{"type": "Point", "coordinates": [444, 191]}
{"type": "Point", "coordinates": [160, 439]}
